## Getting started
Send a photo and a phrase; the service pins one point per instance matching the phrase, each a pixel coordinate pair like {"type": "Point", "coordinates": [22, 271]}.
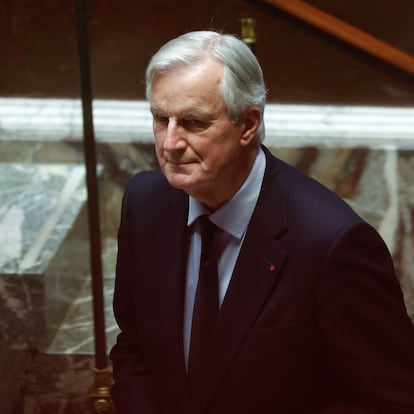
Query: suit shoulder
{"type": "Point", "coordinates": [147, 181]}
{"type": "Point", "coordinates": [313, 201]}
{"type": "Point", "coordinates": [150, 188]}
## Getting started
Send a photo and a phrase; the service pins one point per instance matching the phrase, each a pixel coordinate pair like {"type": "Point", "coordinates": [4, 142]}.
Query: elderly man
{"type": "Point", "coordinates": [242, 285]}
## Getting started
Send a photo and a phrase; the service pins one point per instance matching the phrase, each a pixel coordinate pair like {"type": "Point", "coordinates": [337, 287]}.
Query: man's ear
{"type": "Point", "coordinates": [249, 122]}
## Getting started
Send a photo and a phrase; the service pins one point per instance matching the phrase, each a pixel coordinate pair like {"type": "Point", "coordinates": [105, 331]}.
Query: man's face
{"type": "Point", "coordinates": [198, 147]}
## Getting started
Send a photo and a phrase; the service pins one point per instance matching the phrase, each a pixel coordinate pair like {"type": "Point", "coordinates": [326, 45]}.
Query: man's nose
{"type": "Point", "coordinates": [173, 139]}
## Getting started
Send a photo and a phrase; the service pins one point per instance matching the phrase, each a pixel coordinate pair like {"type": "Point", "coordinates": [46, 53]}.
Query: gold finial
{"type": "Point", "coordinates": [248, 31]}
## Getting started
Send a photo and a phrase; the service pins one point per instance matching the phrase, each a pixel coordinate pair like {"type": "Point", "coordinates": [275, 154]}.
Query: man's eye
{"type": "Point", "coordinates": [195, 124]}
{"type": "Point", "coordinates": [159, 119]}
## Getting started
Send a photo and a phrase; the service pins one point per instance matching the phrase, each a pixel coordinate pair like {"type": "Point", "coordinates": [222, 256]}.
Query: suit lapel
{"type": "Point", "coordinates": [173, 248]}
{"type": "Point", "coordinates": [255, 275]}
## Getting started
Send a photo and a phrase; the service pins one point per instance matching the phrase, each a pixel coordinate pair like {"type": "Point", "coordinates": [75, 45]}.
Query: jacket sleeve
{"type": "Point", "coordinates": [363, 320]}
{"type": "Point", "coordinates": [130, 391]}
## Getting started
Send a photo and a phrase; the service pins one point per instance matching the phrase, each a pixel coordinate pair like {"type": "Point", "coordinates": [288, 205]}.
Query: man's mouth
{"type": "Point", "coordinates": [178, 163]}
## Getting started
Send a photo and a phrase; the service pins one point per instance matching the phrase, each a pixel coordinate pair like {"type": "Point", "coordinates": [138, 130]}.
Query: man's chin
{"type": "Point", "coordinates": [180, 181]}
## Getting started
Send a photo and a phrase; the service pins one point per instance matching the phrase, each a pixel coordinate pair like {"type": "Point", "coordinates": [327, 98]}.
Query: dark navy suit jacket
{"type": "Point", "coordinates": [313, 320]}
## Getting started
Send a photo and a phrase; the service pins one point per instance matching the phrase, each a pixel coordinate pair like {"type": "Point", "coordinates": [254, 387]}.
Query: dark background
{"type": "Point", "coordinates": [38, 47]}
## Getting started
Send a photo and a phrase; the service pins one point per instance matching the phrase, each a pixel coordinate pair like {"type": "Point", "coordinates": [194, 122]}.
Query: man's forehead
{"type": "Point", "coordinates": [187, 91]}
{"type": "Point", "coordinates": [190, 112]}
{"type": "Point", "coordinates": [204, 67]}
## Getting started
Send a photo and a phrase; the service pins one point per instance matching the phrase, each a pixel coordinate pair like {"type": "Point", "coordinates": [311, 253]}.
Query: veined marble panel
{"type": "Point", "coordinates": [404, 255]}
{"type": "Point", "coordinates": [39, 203]}
{"type": "Point", "coordinates": [54, 383]}
{"type": "Point", "coordinates": [13, 366]}
{"type": "Point", "coordinates": [75, 334]}
{"type": "Point", "coordinates": [39, 212]}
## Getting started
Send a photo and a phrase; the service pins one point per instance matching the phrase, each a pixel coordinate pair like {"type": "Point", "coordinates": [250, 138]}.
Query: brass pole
{"type": "Point", "coordinates": [100, 395]}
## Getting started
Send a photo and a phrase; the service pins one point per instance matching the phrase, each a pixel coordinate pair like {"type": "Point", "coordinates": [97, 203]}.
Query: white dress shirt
{"type": "Point", "coordinates": [232, 220]}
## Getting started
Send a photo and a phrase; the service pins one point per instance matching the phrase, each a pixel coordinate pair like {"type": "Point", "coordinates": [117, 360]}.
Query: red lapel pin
{"type": "Point", "coordinates": [272, 267]}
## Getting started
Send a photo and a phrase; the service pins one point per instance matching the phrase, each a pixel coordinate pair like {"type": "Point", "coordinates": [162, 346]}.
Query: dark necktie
{"type": "Point", "coordinates": [206, 304]}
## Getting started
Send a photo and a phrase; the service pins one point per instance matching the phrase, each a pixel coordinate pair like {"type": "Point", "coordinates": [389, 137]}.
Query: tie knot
{"type": "Point", "coordinates": [207, 226]}
{"type": "Point", "coordinates": [208, 229]}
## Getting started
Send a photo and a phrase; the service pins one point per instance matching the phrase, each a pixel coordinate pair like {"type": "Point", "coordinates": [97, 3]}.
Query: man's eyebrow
{"type": "Point", "coordinates": [190, 114]}
{"type": "Point", "coordinates": [155, 110]}
{"type": "Point", "coordinates": [195, 114]}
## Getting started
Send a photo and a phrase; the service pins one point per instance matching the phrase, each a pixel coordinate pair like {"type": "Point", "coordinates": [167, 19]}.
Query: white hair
{"type": "Point", "coordinates": [243, 85]}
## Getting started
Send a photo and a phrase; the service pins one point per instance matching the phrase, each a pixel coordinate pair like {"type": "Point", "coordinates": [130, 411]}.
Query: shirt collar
{"type": "Point", "coordinates": [235, 215]}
